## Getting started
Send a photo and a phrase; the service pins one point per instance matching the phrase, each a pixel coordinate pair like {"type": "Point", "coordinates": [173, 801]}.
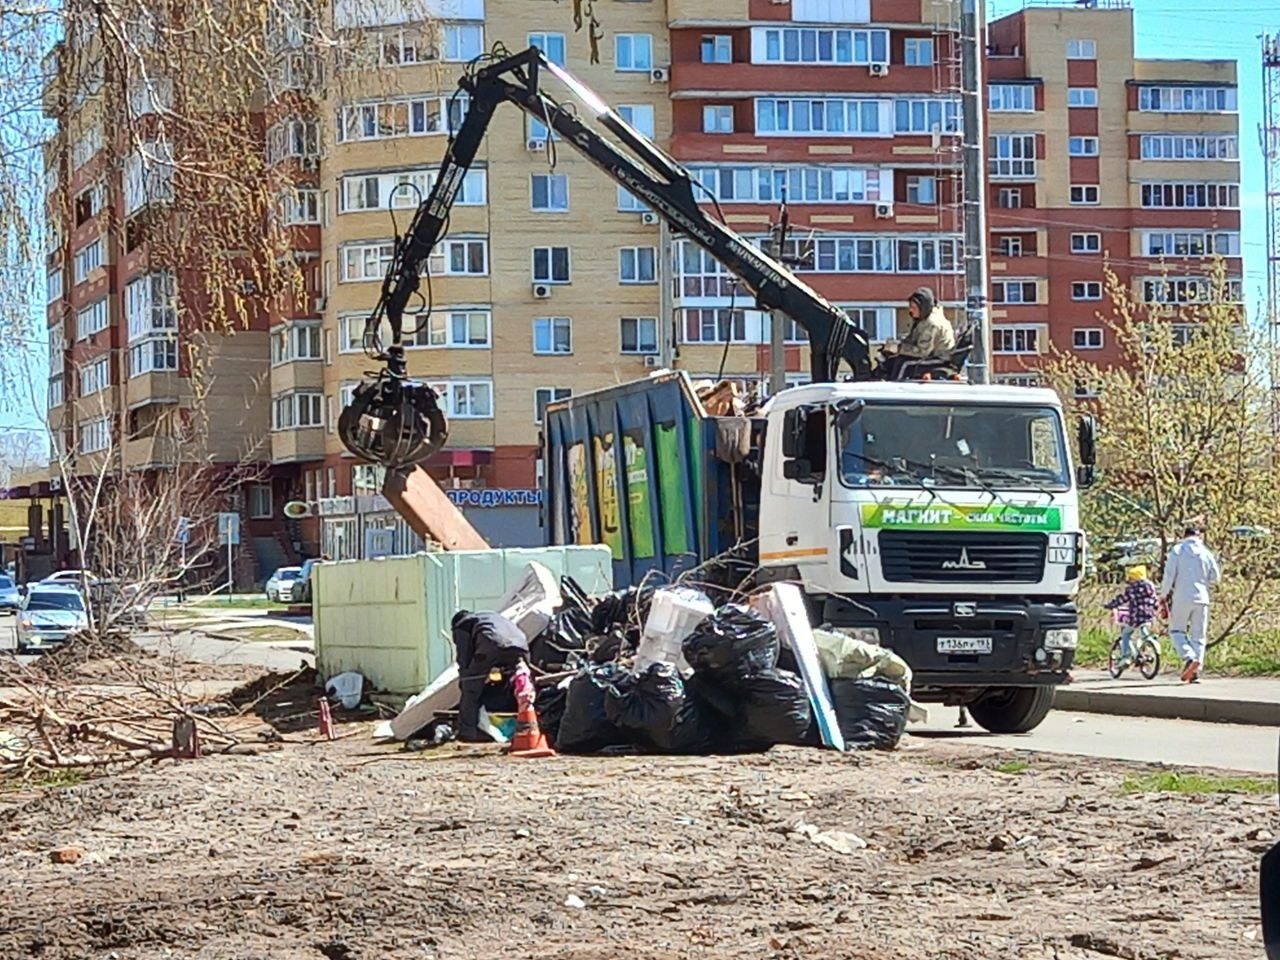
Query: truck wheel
{"type": "Point", "coordinates": [1013, 709]}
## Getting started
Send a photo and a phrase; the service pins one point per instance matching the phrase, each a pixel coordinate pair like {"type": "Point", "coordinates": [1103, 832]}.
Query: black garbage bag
{"type": "Point", "coordinates": [734, 643]}
{"type": "Point", "coordinates": [608, 647]}
{"type": "Point", "coordinates": [622, 608]}
{"type": "Point", "coordinates": [585, 726]}
{"type": "Point", "coordinates": [773, 708]}
{"type": "Point", "coordinates": [561, 643]}
{"type": "Point", "coordinates": [660, 714]}
{"type": "Point", "coordinates": [550, 706]}
{"type": "Point", "coordinates": [871, 714]}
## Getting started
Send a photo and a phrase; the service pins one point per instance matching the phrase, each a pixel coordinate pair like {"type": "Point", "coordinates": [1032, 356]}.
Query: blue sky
{"type": "Point", "coordinates": [1165, 29]}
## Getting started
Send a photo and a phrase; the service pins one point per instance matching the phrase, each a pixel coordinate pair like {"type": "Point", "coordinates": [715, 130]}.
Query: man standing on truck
{"type": "Point", "coordinates": [931, 334]}
{"type": "Point", "coordinates": [1190, 570]}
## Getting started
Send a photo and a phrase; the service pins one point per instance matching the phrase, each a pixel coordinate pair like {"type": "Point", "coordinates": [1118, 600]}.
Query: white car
{"type": "Point", "coordinates": [50, 614]}
{"type": "Point", "coordinates": [280, 587]}
{"type": "Point", "coordinates": [70, 578]}
{"type": "Point", "coordinates": [10, 596]}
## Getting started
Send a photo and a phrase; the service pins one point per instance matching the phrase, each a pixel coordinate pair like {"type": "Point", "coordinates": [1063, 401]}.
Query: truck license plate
{"type": "Point", "coordinates": [964, 644]}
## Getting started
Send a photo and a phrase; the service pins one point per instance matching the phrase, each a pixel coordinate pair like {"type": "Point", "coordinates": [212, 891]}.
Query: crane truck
{"type": "Point", "coordinates": [933, 516]}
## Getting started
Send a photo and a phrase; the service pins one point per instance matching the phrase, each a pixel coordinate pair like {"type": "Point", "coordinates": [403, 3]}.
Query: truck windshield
{"type": "Point", "coordinates": [966, 447]}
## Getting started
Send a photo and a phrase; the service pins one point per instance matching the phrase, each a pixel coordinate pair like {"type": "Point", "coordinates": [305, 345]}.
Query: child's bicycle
{"type": "Point", "coordinates": [1144, 642]}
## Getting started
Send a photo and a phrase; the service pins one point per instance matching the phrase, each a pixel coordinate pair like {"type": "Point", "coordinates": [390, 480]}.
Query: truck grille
{"type": "Point", "coordinates": [919, 557]}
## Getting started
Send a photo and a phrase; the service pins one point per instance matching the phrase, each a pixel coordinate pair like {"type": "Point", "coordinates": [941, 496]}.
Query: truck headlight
{"type": "Point", "coordinates": [1061, 638]}
{"type": "Point", "coordinates": [864, 634]}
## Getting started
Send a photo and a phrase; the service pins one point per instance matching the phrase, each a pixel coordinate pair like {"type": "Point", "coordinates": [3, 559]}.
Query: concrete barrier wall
{"type": "Point", "coordinates": [389, 618]}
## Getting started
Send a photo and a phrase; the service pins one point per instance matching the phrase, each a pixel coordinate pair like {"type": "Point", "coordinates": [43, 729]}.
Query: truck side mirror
{"type": "Point", "coordinates": [804, 444]}
{"type": "Point", "coordinates": [1087, 434]}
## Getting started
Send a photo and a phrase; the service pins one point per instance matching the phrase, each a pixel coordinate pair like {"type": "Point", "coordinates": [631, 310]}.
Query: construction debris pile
{"type": "Point", "coordinates": [661, 670]}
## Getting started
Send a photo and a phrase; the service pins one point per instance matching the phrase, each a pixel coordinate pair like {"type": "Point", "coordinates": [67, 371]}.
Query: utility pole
{"type": "Point", "coordinates": [974, 188]}
{"type": "Point", "coordinates": [778, 319]}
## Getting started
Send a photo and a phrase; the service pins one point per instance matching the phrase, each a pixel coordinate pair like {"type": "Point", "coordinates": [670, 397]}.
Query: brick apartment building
{"type": "Point", "coordinates": [552, 280]}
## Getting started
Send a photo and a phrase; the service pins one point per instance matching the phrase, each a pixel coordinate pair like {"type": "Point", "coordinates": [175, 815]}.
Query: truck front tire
{"type": "Point", "coordinates": [1012, 709]}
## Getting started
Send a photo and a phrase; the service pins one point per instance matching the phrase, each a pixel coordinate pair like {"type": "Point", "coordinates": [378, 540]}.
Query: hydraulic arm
{"type": "Point", "coordinates": [396, 421]}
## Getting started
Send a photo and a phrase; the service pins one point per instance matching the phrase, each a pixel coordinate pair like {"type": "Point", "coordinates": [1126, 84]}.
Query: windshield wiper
{"type": "Point", "coordinates": [1006, 474]}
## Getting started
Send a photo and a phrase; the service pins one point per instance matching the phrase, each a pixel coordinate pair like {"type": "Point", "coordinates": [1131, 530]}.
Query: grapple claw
{"type": "Point", "coordinates": [394, 422]}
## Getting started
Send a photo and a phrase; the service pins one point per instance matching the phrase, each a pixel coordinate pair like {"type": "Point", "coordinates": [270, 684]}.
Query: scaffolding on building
{"type": "Point", "coordinates": [947, 145]}
{"type": "Point", "coordinates": [1269, 136]}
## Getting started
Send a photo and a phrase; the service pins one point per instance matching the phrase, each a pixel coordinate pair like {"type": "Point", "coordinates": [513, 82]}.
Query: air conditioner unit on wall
{"type": "Point", "coordinates": [884, 211]}
{"type": "Point", "coordinates": [878, 69]}
{"type": "Point", "coordinates": [649, 218]}
{"type": "Point", "coordinates": [659, 74]}
{"type": "Point", "coordinates": [652, 360]}
{"type": "Point", "coordinates": [542, 291]}
{"type": "Point", "coordinates": [535, 145]}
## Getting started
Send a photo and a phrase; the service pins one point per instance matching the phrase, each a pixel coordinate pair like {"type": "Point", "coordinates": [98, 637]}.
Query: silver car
{"type": "Point", "coordinates": [280, 587]}
{"type": "Point", "coordinates": [50, 614]}
{"type": "Point", "coordinates": [10, 598]}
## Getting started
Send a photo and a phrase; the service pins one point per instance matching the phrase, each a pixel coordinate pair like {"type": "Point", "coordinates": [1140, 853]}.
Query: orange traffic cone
{"type": "Point", "coordinates": [529, 740]}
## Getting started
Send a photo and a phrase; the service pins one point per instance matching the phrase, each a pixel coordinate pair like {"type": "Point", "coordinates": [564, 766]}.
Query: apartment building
{"type": "Point", "coordinates": [554, 281]}
{"type": "Point", "coordinates": [1098, 158]}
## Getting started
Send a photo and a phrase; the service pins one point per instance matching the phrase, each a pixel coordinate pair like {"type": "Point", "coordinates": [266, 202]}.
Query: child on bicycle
{"type": "Point", "coordinates": [1140, 600]}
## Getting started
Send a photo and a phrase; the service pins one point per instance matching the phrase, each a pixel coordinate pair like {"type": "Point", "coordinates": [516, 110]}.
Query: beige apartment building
{"type": "Point", "coordinates": [552, 281]}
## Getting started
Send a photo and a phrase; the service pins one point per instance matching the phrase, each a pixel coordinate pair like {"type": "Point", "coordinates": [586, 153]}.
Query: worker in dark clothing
{"type": "Point", "coordinates": [484, 642]}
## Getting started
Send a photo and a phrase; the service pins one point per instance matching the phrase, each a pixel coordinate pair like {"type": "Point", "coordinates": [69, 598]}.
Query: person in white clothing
{"type": "Point", "coordinates": [1190, 570]}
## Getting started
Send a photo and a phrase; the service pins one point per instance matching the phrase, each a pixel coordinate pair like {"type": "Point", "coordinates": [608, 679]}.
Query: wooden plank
{"type": "Point", "coordinates": [429, 511]}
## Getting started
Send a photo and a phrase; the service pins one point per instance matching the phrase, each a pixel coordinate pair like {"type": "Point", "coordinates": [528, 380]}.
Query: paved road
{"type": "Point", "coordinates": [1177, 742]}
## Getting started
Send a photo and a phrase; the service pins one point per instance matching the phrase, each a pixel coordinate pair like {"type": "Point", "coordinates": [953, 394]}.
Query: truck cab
{"type": "Point", "coordinates": [940, 519]}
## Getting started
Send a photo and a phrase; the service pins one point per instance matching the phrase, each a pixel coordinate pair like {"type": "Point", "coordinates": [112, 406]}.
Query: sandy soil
{"type": "Point", "coordinates": [349, 851]}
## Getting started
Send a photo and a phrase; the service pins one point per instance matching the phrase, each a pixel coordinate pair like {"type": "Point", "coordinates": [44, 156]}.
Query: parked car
{"type": "Point", "coordinates": [280, 587]}
{"type": "Point", "coordinates": [119, 603]}
{"type": "Point", "coordinates": [10, 597]}
{"type": "Point", "coordinates": [301, 587]}
{"type": "Point", "coordinates": [50, 614]}
{"type": "Point", "coordinates": [70, 578]}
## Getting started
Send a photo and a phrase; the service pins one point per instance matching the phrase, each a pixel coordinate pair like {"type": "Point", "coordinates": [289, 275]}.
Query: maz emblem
{"type": "Point", "coordinates": [964, 563]}
{"type": "Point", "coordinates": [965, 609]}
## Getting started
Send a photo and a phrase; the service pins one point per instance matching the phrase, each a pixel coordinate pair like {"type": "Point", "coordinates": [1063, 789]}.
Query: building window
{"type": "Point", "coordinates": [926, 116]}
{"type": "Point", "coordinates": [714, 326]}
{"type": "Point", "coordinates": [1013, 155]}
{"type": "Point", "coordinates": [698, 274]}
{"type": "Point", "coordinates": [867, 254]}
{"type": "Point", "coordinates": [552, 335]}
{"type": "Point", "coordinates": [94, 377]}
{"type": "Point", "coordinates": [411, 117]}
{"type": "Point", "coordinates": [151, 305]}
{"type": "Point", "coordinates": [799, 184]}
{"type": "Point", "coordinates": [1018, 379]}
{"type": "Point", "coordinates": [640, 116]}
{"type": "Point", "coordinates": [1086, 390]}
{"type": "Point", "coordinates": [922, 190]}
{"type": "Point", "coordinates": [300, 207]}
{"type": "Point", "coordinates": [1086, 290]}
{"type": "Point", "coordinates": [1174, 99]}
{"type": "Point", "coordinates": [460, 258]}
{"type": "Point", "coordinates": [293, 137]}
{"type": "Point", "coordinates": [465, 399]}
{"type": "Point", "coordinates": [629, 202]}
{"type": "Point", "coordinates": [148, 176]}
{"type": "Point", "coordinates": [1186, 196]}
{"type": "Point", "coordinates": [1084, 194]}
{"type": "Point", "coordinates": [633, 52]}
{"type": "Point", "coordinates": [56, 398]}
{"type": "Point", "coordinates": [1086, 243]}
{"type": "Point", "coordinates": [1015, 340]}
{"type": "Point", "coordinates": [928, 256]}
{"type": "Point", "coordinates": [53, 285]}
{"type": "Point", "coordinates": [917, 52]}
{"type": "Point", "coordinates": [1011, 98]}
{"type": "Point", "coordinates": [154, 353]}
{"type": "Point", "coordinates": [1015, 291]}
{"type": "Point", "coordinates": [1087, 338]}
{"type": "Point", "coordinates": [91, 319]}
{"type": "Point", "coordinates": [545, 395]}
{"type": "Point", "coordinates": [404, 189]}
{"type": "Point", "coordinates": [879, 323]}
{"type": "Point", "coordinates": [1191, 244]}
{"type": "Point", "coordinates": [85, 147]}
{"type": "Point", "coordinates": [463, 42]}
{"type": "Point", "coordinates": [1190, 146]}
{"type": "Point", "coordinates": [551, 265]}
{"type": "Point", "coordinates": [637, 265]}
{"type": "Point", "coordinates": [95, 435]}
{"type": "Point", "coordinates": [1082, 146]}
{"type": "Point", "coordinates": [1010, 198]}
{"type": "Point", "coordinates": [468, 329]}
{"type": "Point", "coordinates": [1082, 50]}
{"type": "Point", "coordinates": [1082, 96]}
{"type": "Point", "coordinates": [551, 44]}
{"type": "Point", "coordinates": [833, 117]}
{"type": "Point", "coordinates": [1011, 246]}
{"type": "Point", "coordinates": [819, 45]}
{"type": "Point", "coordinates": [295, 341]}
{"type": "Point", "coordinates": [550, 192]}
{"type": "Point", "coordinates": [298, 409]}
{"type": "Point", "coordinates": [88, 259]}
{"type": "Point", "coordinates": [639, 335]}
{"type": "Point", "coordinates": [260, 501]}
{"type": "Point", "coordinates": [1188, 290]}
{"type": "Point", "coordinates": [717, 48]}
{"type": "Point", "coordinates": [717, 118]}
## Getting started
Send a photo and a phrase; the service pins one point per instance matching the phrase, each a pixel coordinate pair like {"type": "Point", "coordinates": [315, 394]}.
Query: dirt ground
{"type": "Point", "coordinates": [351, 851]}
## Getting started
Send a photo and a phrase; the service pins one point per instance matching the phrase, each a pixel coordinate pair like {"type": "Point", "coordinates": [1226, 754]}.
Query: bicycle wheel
{"type": "Point", "coordinates": [1149, 659]}
{"type": "Point", "coordinates": [1114, 665]}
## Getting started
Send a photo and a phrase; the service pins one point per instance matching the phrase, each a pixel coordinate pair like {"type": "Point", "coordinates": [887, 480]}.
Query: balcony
{"type": "Point", "coordinates": [297, 375]}
{"type": "Point", "coordinates": [163, 387]}
{"type": "Point", "coordinates": [149, 453]}
{"type": "Point", "coordinates": [54, 92]}
{"type": "Point", "coordinates": [300, 443]}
